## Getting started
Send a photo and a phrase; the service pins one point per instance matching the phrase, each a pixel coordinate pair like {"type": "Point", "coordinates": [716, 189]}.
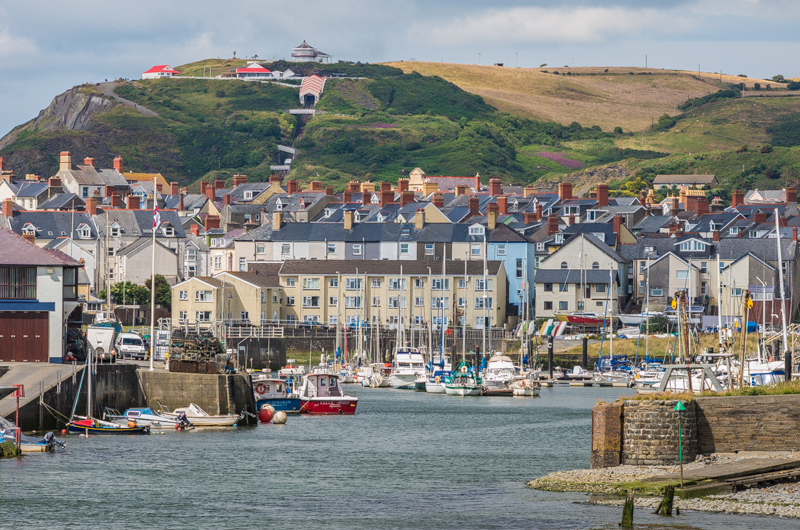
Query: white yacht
{"type": "Point", "coordinates": [408, 363]}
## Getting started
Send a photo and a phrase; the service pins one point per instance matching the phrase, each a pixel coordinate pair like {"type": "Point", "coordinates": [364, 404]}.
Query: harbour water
{"type": "Point", "coordinates": [406, 460]}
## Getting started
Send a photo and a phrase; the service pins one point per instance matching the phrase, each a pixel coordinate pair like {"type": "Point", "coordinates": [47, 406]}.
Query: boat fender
{"type": "Point", "coordinates": [437, 379]}
{"type": "Point", "coordinates": [132, 424]}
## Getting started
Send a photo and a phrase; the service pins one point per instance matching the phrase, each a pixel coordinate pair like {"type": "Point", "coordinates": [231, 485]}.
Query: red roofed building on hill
{"type": "Point", "coordinates": [311, 87]}
{"type": "Point", "coordinates": [159, 71]}
{"type": "Point", "coordinates": [253, 71]}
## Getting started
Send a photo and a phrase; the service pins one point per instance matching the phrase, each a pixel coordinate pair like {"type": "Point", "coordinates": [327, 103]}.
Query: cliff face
{"type": "Point", "coordinates": [72, 110]}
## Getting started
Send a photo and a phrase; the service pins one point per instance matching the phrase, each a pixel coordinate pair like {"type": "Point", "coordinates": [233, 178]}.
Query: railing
{"type": "Point", "coordinates": [260, 332]}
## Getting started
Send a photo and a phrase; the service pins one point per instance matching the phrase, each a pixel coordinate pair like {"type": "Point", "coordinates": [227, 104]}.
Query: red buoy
{"type": "Point", "coordinates": [63, 431]}
{"type": "Point", "coordinates": [265, 415]}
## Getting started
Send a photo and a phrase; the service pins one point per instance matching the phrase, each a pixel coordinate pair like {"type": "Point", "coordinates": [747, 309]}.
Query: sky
{"type": "Point", "coordinates": [47, 47]}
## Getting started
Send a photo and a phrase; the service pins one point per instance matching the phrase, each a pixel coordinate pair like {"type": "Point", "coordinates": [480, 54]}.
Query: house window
{"type": "Point", "coordinates": [682, 275]}
{"type": "Point", "coordinates": [563, 264]}
{"type": "Point", "coordinates": [559, 239]}
{"type": "Point", "coordinates": [311, 301]}
{"type": "Point", "coordinates": [310, 283]}
{"type": "Point", "coordinates": [476, 230]}
{"type": "Point", "coordinates": [182, 316]}
{"type": "Point", "coordinates": [656, 291]}
{"type": "Point", "coordinates": [403, 248]}
{"type": "Point", "coordinates": [642, 266]}
{"type": "Point", "coordinates": [352, 302]}
{"type": "Point", "coordinates": [248, 195]}
{"type": "Point", "coordinates": [703, 287]}
{"type": "Point", "coordinates": [563, 287]}
{"type": "Point", "coordinates": [333, 320]}
{"type": "Point", "coordinates": [563, 306]}
{"type": "Point", "coordinates": [519, 267]}
{"type": "Point", "coordinates": [290, 300]}
{"type": "Point", "coordinates": [703, 267]}
{"type": "Point", "coordinates": [737, 292]}
{"type": "Point", "coordinates": [202, 296]}
{"type": "Point", "coordinates": [245, 316]}
{"type": "Point", "coordinates": [202, 316]}
{"type": "Point", "coordinates": [419, 283]}
{"type": "Point", "coordinates": [290, 282]}
{"type": "Point", "coordinates": [437, 302]}
{"type": "Point", "coordinates": [397, 283]}
{"type": "Point", "coordinates": [114, 232]}
{"type": "Point", "coordinates": [85, 191]}
{"type": "Point", "coordinates": [169, 231]}
{"type": "Point", "coordinates": [274, 298]}
{"type": "Point", "coordinates": [462, 283]}
{"type": "Point", "coordinates": [429, 250]}
{"type": "Point", "coordinates": [501, 249]}
{"type": "Point", "coordinates": [353, 284]}
{"type": "Point", "coordinates": [419, 301]}
{"type": "Point", "coordinates": [548, 287]}
{"type": "Point", "coordinates": [393, 302]}
{"type": "Point", "coordinates": [70, 284]}
{"type": "Point", "coordinates": [356, 249]}
{"type": "Point", "coordinates": [600, 287]}
{"type": "Point", "coordinates": [263, 297]}
{"type": "Point", "coordinates": [217, 262]}
{"type": "Point", "coordinates": [479, 303]}
{"type": "Point", "coordinates": [333, 283]}
{"type": "Point", "coordinates": [183, 295]}
{"type": "Point", "coordinates": [540, 247]}
{"type": "Point", "coordinates": [476, 250]}
{"type": "Point", "coordinates": [261, 249]}
{"type": "Point", "coordinates": [331, 248]}
{"type": "Point", "coordinates": [286, 249]}
{"type": "Point", "coordinates": [243, 264]}
{"type": "Point", "coordinates": [548, 306]}
{"type": "Point", "coordinates": [290, 319]}
{"type": "Point", "coordinates": [333, 301]}
{"type": "Point", "coordinates": [191, 254]}
{"type": "Point", "coordinates": [84, 233]}
{"type": "Point", "coordinates": [376, 301]}
{"type": "Point", "coordinates": [462, 302]}
{"type": "Point", "coordinates": [437, 284]}
{"type": "Point", "coordinates": [595, 266]}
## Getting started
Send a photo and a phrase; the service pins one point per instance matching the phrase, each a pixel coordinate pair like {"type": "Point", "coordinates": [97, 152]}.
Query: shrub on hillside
{"type": "Point", "coordinates": [742, 149]}
{"type": "Point", "coordinates": [793, 85]}
{"type": "Point", "coordinates": [766, 148]}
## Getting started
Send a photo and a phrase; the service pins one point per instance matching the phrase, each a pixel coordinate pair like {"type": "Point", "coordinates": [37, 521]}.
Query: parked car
{"type": "Point", "coordinates": [313, 325]}
{"type": "Point", "coordinates": [131, 345]}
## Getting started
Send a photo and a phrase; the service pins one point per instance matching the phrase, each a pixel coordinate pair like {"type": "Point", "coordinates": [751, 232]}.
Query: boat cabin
{"type": "Point", "coordinates": [321, 384]}
{"type": "Point", "coordinates": [270, 388]}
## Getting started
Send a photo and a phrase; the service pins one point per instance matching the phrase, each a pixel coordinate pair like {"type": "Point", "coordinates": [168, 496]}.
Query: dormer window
{"type": "Point", "coordinates": [649, 249]}
{"type": "Point", "coordinates": [559, 239]}
{"type": "Point", "coordinates": [329, 212]}
{"type": "Point", "coordinates": [84, 232]}
{"type": "Point", "coordinates": [540, 247]}
{"type": "Point", "coordinates": [114, 230]}
{"type": "Point", "coordinates": [375, 199]}
{"type": "Point", "coordinates": [248, 195]}
{"type": "Point", "coordinates": [477, 230]}
{"type": "Point", "coordinates": [278, 205]}
{"type": "Point", "coordinates": [29, 229]}
{"type": "Point", "coordinates": [735, 230]}
{"type": "Point", "coordinates": [169, 231]}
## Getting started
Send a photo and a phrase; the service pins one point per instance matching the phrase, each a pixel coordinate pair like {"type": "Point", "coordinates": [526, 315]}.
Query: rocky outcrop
{"type": "Point", "coordinates": [72, 110]}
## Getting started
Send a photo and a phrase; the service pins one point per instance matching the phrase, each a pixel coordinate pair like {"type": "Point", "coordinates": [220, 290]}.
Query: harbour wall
{"type": "Point", "coordinates": [123, 386]}
{"type": "Point", "coordinates": [634, 432]}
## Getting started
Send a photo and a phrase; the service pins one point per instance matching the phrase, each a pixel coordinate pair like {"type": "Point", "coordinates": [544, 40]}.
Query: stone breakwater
{"type": "Point", "coordinates": [782, 500]}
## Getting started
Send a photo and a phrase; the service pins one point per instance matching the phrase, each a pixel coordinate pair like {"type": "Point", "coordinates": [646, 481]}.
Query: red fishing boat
{"type": "Point", "coordinates": [321, 393]}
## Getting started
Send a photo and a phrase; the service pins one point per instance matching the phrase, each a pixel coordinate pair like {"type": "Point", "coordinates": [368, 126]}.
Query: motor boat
{"type": "Point", "coordinates": [525, 387]}
{"type": "Point", "coordinates": [408, 363]}
{"type": "Point", "coordinates": [320, 393]}
{"type": "Point", "coordinates": [635, 319]}
{"type": "Point", "coordinates": [200, 418]}
{"type": "Point", "coordinates": [376, 375]}
{"type": "Point", "coordinates": [140, 417]}
{"type": "Point", "coordinates": [439, 373]}
{"type": "Point", "coordinates": [347, 375]}
{"type": "Point", "coordinates": [275, 392]}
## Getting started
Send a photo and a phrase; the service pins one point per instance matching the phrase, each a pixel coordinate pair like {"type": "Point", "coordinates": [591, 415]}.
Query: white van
{"type": "Point", "coordinates": [130, 345]}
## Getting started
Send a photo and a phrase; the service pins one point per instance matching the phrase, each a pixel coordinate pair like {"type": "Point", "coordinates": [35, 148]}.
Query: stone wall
{"type": "Point", "coordinates": [214, 393]}
{"type": "Point", "coordinates": [606, 435]}
{"type": "Point", "coordinates": [650, 433]}
{"type": "Point", "coordinates": [748, 423]}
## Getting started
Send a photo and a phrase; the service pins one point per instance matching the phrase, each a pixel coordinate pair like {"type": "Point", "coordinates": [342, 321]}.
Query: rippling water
{"type": "Point", "coordinates": [406, 460]}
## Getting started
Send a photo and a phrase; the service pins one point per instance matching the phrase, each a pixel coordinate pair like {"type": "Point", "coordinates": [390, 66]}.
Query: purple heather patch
{"type": "Point", "coordinates": [558, 158]}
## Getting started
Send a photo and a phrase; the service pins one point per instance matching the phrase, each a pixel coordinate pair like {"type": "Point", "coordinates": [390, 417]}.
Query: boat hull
{"type": "Point", "coordinates": [328, 406]}
{"type": "Point", "coordinates": [74, 428]}
{"type": "Point", "coordinates": [402, 382]}
{"type": "Point", "coordinates": [288, 405]}
{"type": "Point", "coordinates": [462, 391]}
{"type": "Point", "coordinates": [526, 392]}
{"type": "Point", "coordinates": [434, 387]}
{"type": "Point", "coordinates": [585, 321]}
{"type": "Point", "coordinates": [497, 391]}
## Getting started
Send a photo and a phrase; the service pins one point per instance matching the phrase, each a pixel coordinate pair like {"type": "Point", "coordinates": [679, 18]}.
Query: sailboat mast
{"type": "Point", "coordinates": [156, 222]}
{"type": "Point", "coordinates": [485, 311]}
{"type": "Point", "coordinates": [719, 301]}
{"type": "Point", "coordinates": [783, 293]}
{"type": "Point", "coordinates": [441, 306]}
{"type": "Point", "coordinates": [464, 318]}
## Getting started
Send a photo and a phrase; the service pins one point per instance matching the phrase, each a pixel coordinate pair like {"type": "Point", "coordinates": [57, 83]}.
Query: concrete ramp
{"type": "Point", "coordinates": [37, 377]}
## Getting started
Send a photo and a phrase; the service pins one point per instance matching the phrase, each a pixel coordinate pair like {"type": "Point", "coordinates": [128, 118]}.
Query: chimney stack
{"type": "Point", "coordinates": [211, 193]}
{"type": "Point", "coordinates": [118, 164]}
{"type": "Point", "coordinates": [91, 206]}
{"type": "Point", "coordinates": [565, 190]}
{"type": "Point", "coordinates": [242, 179]}
{"type": "Point", "coordinates": [159, 188]}
{"type": "Point", "coordinates": [617, 220]}
{"type": "Point", "coordinates": [701, 205]}
{"type": "Point", "coordinates": [352, 186]}
{"type": "Point", "coordinates": [794, 234]}
{"type": "Point", "coordinates": [133, 202]}
{"type": "Point", "coordinates": [54, 182]}
{"type": "Point", "coordinates": [8, 208]}
{"type": "Point", "coordinates": [2, 164]}
{"type": "Point", "coordinates": [88, 161]}
{"type": "Point", "coordinates": [212, 221]}
{"type": "Point", "coordinates": [419, 219]}
{"type": "Point", "coordinates": [474, 204]}
{"type": "Point", "coordinates": [495, 186]}
{"type": "Point", "coordinates": [477, 183]}
{"type": "Point", "coordinates": [110, 190]}
{"type": "Point", "coordinates": [65, 163]}
{"type": "Point", "coordinates": [552, 224]}
{"type": "Point", "coordinates": [737, 198]}
{"type": "Point", "coordinates": [385, 186]}
{"type": "Point", "coordinates": [462, 189]}
{"type": "Point", "coordinates": [348, 219]}
{"type": "Point", "coordinates": [571, 219]}
{"type": "Point", "coordinates": [203, 186]}
{"type": "Point", "coordinates": [227, 199]}
{"type": "Point", "coordinates": [115, 202]}
{"type": "Point", "coordinates": [715, 235]}
{"type": "Point", "coordinates": [529, 190]}
{"type": "Point", "coordinates": [347, 196]}
{"type": "Point", "coordinates": [602, 195]}
{"type": "Point", "coordinates": [387, 196]}
{"type": "Point", "coordinates": [194, 229]}
{"type": "Point", "coordinates": [760, 217]}
{"type": "Point", "coordinates": [174, 189]}
{"type": "Point", "coordinates": [329, 190]}
{"type": "Point", "coordinates": [791, 196]}
{"type": "Point", "coordinates": [366, 197]}
{"type": "Point", "coordinates": [219, 184]}
{"type": "Point", "coordinates": [406, 197]}
{"type": "Point", "coordinates": [491, 215]}
{"type": "Point", "coordinates": [429, 187]}
{"type": "Point", "coordinates": [273, 179]}
{"type": "Point", "coordinates": [402, 185]}
{"type": "Point", "coordinates": [675, 209]}
{"type": "Point", "coordinates": [717, 206]}
{"type": "Point", "coordinates": [438, 199]}
{"type": "Point", "coordinates": [502, 204]}
{"type": "Point", "coordinates": [291, 187]}
{"type": "Point", "coordinates": [180, 202]}
{"type": "Point", "coordinates": [277, 221]}
{"type": "Point", "coordinates": [316, 185]}
{"type": "Point", "coordinates": [539, 211]}
{"type": "Point", "coordinates": [529, 217]}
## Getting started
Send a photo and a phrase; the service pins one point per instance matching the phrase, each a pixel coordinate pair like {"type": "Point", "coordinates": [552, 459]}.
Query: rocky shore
{"type": "Point", "coordinates": [782, 500]}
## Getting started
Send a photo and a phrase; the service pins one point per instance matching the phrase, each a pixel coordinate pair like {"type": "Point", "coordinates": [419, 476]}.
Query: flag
{"type": "Point", "coordinates": [156, 217]}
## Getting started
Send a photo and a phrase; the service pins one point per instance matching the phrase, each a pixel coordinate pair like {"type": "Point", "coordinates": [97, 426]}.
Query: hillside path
{"type": "Point", "coordinates": [108, 90]}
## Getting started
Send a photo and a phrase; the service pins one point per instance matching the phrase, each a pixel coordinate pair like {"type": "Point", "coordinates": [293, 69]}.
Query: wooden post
{"type": "Point", "coordinates": [665, 508]}
{"type": "Point", "coordinates": [627, 512]}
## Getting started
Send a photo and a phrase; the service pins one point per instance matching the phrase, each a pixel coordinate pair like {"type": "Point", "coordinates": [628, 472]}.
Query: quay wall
{"type": "Point", "coordinates": [214, 393]}
{"type": "Point", "coordinates": [634, 432]}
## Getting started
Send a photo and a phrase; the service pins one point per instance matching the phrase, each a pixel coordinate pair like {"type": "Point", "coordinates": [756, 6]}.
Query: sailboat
{"type": "Point", "coordinates": [463, 382]}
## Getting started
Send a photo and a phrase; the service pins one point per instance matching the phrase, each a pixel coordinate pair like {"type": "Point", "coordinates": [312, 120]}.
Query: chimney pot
{"type": "Point", "coordinates": [88, 161]}
{"type": "Point", "coordinates": [133, 202]}
{"type": "Point", "coordinates": [118, 164]}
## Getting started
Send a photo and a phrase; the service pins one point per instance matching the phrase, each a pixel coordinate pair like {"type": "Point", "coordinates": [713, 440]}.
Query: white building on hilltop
{"type": "Point", "coordinates": [159, 71]}
{"type": "Point", "coordinates": [308, 54]}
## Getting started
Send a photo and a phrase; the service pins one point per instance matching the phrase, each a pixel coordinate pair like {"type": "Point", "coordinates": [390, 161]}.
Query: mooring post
{"type": "Point", "coordinates": [787, 365]}
{"type": "Point", "coordinates": [627, 512]}
{"type": "Point", "coordinates": [550, 355]}
{"type": "Point", "coordinates": [585, 358]}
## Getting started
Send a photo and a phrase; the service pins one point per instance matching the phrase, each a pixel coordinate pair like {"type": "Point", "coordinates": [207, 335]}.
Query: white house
{"type": "Point", "coordinates": [253, 71]}
{"type": "Point", "coordinates": [159, 71]}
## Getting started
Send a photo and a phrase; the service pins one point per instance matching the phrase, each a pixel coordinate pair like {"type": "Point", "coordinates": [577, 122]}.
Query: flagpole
{"type": "Point", "coordinates": [153, 279]}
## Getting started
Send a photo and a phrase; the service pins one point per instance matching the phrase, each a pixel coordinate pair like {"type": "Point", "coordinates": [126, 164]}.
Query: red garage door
{"type": "Point", "coordinates": [23, 336]}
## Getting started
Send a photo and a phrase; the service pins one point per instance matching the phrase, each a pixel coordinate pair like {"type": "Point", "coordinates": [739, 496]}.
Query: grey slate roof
{"type": "Point", "coordinates": [16, 250]}
{"type": "Point", "coordinates": [60, 200]}
{"type": "Point", "coordinates": [139, 222]}
{"type": "Point", "coordinates": [31, 188]}
{"type": "Point", "coordinates": [652, 224]}
{"type": "Point", "coordinates": [51, 225]}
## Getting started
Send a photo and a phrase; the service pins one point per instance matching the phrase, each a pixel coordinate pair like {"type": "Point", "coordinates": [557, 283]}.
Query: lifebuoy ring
{"type": "Point", "coordinates": [261, 388]}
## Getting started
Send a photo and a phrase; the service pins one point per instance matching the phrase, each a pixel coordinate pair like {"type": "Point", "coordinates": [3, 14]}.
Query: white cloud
{"type": "Point", "coordinates": [558, 25]}
{"type": "Point", "coordinates": [13, 47]}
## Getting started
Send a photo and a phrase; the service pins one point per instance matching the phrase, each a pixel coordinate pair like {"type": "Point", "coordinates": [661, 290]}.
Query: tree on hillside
{"type": "Point", "coordinates": [163, 292]}
{"type": "Point", "coordinates": [778, 78]}
{"type": "Point", "coordinates": [127, 293]}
